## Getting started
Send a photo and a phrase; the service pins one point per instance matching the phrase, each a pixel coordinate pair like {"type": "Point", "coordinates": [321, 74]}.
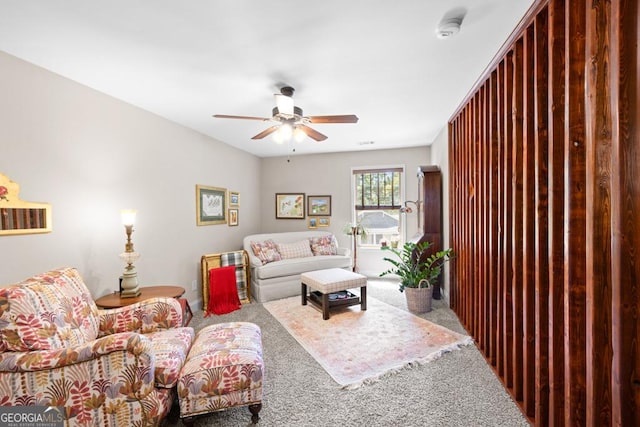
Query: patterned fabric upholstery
{"type": "Point", "coordinates": [154, 314]}
{"type": "Point", "coordinates": [325, 245]}
{"type": "Point", "coordinates": [58, 349]}
{"type": "Point", "coordinates": [170, 349]}
{"type": "Point", "coordinates": [48, 312]}
{"type": "Point", "coordinates": [266, 251]}
{"type": "Point", "coordinates": [224, 369]}
{"type": "Point", "coordinates": [237, 259]}
{"type": "Point", "coordinates": [299, 249]}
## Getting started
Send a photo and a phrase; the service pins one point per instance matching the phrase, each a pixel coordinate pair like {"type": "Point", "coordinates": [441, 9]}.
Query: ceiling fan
{"type": "Point", "coordinates": [290, 121]}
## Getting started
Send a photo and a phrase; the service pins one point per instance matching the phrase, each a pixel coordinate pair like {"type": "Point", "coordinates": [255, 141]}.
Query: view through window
{"type": "Point", "coordinates": [377, 203]}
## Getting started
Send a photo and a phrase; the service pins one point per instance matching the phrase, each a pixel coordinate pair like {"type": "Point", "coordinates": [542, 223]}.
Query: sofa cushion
{"type": "Point", "coordinates": [50, 311]}
{"type": "Point", "coordinates": [295, 266]}
{"type": "Point", "coordinates": [325, 245]}
{"type": "Point", "coordinates": [299, 249]}
{"type": "Point", "coordinates": [266, 251]}
{"type": "Point", "coordinates": [170, 348]}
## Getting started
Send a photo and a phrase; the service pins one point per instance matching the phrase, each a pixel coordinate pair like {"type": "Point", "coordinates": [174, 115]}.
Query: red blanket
{"type": "Point", "coordinates": [223, 294]}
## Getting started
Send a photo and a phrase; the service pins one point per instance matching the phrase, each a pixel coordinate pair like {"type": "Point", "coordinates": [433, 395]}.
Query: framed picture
{"type": "Point", "coordinates": [319, 205]}
{"type": "Point", "coordinates": [290, 206]}
{"type": "Point", "coordinates": [234, 199]}
{"type": "Point", "coordinates": [211, 205]}
{"type": "Point", "coordinates": [233, 217]}
{"type": "Point", "coordinates": [313, 222]}
{"type": "Point", "coordinates": [323, 221]}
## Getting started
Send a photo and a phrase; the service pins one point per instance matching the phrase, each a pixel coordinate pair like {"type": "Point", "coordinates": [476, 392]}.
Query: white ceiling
{"type": "Point", "coordinates": [188, 60]}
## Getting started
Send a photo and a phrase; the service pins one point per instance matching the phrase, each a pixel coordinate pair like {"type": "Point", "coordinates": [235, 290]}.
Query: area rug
{"type": "Point", "coordinates": [357, 347]}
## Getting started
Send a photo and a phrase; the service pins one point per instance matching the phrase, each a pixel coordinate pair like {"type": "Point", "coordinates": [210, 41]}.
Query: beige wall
{"type": "Point", "coordinates": [91, 155]}
{"type": "Point", "coordinates": [330, 174]}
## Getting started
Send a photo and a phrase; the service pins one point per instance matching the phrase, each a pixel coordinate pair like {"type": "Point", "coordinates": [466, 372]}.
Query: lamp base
{"type": "Point", "coordinates": [130, 293]}
{"type": "Point", "coordinates": [130, 287]}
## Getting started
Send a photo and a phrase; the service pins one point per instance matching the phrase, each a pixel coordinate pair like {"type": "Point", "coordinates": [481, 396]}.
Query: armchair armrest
{"type": "Point", "coordinates": [134, 346]}
{"type": "Point", "coordinates": [143, 317]}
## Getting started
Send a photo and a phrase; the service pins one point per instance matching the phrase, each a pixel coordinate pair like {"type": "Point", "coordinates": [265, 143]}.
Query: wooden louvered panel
{"type": "Point", "coordinates": [544, 204]}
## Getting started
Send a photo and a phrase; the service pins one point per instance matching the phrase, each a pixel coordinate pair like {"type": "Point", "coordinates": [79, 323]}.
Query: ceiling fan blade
{"type": "Point", "coordinates": [225, 116]}
{"type": "Point", "coordinates": [348, 118]}
{"type": "Point", "coordinates": [312, 133]}
{"type": "Point", "coordinates": [266, 132]}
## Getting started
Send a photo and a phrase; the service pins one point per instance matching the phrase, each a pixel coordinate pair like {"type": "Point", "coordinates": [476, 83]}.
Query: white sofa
{"type": "Point", "coordinates": [281, 279]}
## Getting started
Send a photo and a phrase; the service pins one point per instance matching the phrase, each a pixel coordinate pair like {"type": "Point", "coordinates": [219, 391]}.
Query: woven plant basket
{"type": "Point", "coordinates": [419, 299]}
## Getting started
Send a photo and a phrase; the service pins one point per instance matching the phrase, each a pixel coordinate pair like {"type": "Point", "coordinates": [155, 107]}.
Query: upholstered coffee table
{"type": "Point", "coordinates": [333, 280]}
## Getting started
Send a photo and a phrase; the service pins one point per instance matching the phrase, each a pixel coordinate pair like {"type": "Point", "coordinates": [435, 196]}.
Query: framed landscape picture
{"type": "Point", "coordinates": [323, 222]}
{"type": "Point", "coordinates": [290, 206]}
{"type": "Point", "coordinates": [319, 205]}
{"type": "Point", "coordinates": [234, 199]}
{"type": "Point", "coordinates": [211, 205]}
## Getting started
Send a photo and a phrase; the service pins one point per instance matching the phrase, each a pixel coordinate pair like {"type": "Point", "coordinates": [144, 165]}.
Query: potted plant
{"type": "Point", "coordinates": [394, 241]}
{"type": "Point", "coordinates": [416, 271]}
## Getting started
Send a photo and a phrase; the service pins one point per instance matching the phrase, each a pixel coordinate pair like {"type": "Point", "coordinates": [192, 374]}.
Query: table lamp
{"type": "Point", "coordinates": [129, 286]}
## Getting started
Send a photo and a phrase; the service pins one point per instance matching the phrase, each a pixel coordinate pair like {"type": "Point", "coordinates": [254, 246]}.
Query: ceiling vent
{"type": "Point", "coordinates": [448, 28]}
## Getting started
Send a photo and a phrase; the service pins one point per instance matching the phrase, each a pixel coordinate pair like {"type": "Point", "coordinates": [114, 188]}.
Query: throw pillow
{"type": "Point", "coordinates": [266, 251]}
{"type": "Point", "coordinates": [325, 245]}
{"type": "Point", "coordinates": [299, 249]}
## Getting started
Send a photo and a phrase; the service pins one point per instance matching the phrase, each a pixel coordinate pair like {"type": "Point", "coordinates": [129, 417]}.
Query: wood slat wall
{"type": "Point", "coordinates": [545, 213]}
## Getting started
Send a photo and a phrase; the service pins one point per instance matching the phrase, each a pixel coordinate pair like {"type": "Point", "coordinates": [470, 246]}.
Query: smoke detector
{"type": "Point", "coordinates": [448, 28]}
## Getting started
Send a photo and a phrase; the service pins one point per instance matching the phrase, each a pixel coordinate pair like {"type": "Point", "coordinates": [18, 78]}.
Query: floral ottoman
{"type": "Point", "coordinates": [223, 369]}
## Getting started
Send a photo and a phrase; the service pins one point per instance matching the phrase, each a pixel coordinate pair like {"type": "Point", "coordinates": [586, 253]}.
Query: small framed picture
{"type": "Point", "coordinates": [290, 206]}
{"type": "Point", "coordinates": [211, 205]}
{"type": "Point", "coordinates": [233, 217]}
{"type": "Point", "coordinates": [234, 199]}
{"type": "Point", "coordinates": [313, 222]}
{"type": "Point", "coordinates": [319, 205]}
{"type": "Point", "coordinates": [323, 221]}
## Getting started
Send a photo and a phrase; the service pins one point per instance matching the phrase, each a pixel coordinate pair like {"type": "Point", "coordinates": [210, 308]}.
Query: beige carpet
{"type": "Point", "coordinates": [356, 347]}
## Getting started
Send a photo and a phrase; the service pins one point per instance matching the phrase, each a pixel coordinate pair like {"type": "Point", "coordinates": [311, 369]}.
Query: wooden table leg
{"type": "Point", "coordinates": [363, 298]}
{"type": "Point", "coordinates": [303, 292]}
{"type": "Point", "coordinates": [325, 306]}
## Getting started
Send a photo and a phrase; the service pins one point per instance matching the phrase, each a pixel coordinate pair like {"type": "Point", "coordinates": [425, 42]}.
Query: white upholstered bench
{"type": "Point", "coordinates": [330, 281]}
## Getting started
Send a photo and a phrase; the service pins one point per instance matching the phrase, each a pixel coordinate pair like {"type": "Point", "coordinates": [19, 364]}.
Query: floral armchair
{"type": "Point", "coordinates": [105, 367]}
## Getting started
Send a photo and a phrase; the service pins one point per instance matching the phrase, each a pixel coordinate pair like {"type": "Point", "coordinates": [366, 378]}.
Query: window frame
{"type": "Point", "coordinates": [396, 205]}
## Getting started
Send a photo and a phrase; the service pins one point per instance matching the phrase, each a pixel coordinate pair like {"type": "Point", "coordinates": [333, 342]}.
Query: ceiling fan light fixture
{"type": "Point", "coordinates": [283, 134]}
{"type": "Point", "coordinates": [289, 120]}
{"type": "Point", "coordinates": [277, 137]}
{"type": "Point", "coordinates": [298, 134]}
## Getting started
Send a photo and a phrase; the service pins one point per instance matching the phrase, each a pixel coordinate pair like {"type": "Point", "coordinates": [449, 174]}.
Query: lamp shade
{"type": "Point", "coordinates": [128, 216]}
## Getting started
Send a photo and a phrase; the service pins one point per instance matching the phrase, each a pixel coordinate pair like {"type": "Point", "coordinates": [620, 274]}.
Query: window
{"type": "Point", "coordinates": [377, 203]}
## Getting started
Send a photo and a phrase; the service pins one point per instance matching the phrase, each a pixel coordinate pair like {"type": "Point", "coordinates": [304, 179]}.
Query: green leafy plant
{"type": "Point", "coordinates": [414, 272]}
